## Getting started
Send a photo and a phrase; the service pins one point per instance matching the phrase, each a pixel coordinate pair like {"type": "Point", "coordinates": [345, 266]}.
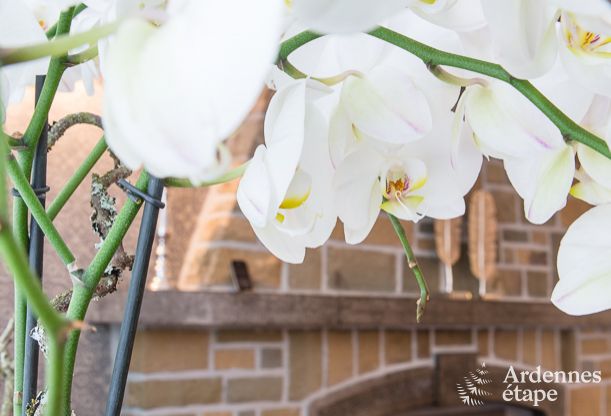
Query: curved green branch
{"type": "Point", "coordinates": [432, 56]}
{"type": "Point", "coordinates": [59, 46]}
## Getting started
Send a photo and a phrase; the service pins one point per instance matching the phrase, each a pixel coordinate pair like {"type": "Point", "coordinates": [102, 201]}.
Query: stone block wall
{"type": "Point", "coordinates": [249, 373]}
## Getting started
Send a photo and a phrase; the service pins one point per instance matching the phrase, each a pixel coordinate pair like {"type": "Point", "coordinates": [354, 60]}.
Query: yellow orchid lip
{"type": "Point", "coordinates": [298, 192]}
{"type": "Point", "coordinates": [295, 201]}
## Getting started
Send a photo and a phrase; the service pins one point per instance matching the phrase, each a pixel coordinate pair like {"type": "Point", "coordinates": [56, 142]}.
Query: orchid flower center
{"type": "Point", "coordinates": [397, 183]}
{"type": "Point", "coordinates": [580, 40]}
{"type": "Point", "coordinates": [401, 179]}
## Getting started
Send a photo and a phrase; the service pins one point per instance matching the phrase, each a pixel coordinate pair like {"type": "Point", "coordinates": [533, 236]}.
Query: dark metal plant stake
{"type": "Point", "coordinates": [136, 291]}
{"type": "Point", "coordinates": [35, 253]}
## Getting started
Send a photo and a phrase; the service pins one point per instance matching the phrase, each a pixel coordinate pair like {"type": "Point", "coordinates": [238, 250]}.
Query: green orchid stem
{"type": "Point", "coordinates": [20, 214]}
{"type": "Point", "coordinates": [54, 324]}
{"type": "Point", "coordinates": [433, 57]}
{"type": "Point", "coordinates": [76, 179]}
{"type": "Point", "coordinates": [20, 230]}
{"type": "Point", "coordinates": [229, 176]}
{"type": "Point", "coordinates": [83, 293]}
{"type": "Point", "coordinates": [59, 46]}
{"type": "Point", "coordinates": [28, 196]}
{"type": "Point", "coordinates": [53, 29]}
{"type": "Point", "coordinates": [47, 95]}
{"type": "Point", "coordinates": [82, 57]}
{"type": "Point", "coordinates": [413, 265]}
{"type": "Point", "coordinates": [12, 251]}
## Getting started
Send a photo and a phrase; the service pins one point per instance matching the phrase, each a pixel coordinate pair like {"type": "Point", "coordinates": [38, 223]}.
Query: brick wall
{"type": "Point", "coordinates": [247, 373]}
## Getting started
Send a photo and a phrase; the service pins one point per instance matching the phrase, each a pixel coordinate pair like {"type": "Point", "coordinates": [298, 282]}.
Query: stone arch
{"type": "Point", "coordinates": [431, 390]}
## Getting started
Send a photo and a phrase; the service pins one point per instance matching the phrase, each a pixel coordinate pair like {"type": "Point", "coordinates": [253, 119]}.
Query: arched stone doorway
{"type": "Point", "coordinates": [431, 391]}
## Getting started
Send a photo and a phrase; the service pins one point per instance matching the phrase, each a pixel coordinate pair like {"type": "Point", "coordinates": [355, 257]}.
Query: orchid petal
{"type": "Point", "coordinates": [543, 182]}
{"type": "Point", "coordinates": [584, 264]}
{"type": "Point", "coordinates": [355, 233]}
{"type": "Point", "coordinates": [590, 191]}
{"type": "Point", "coordinates": [344, 16]}
{"type": "Point", "coordinates": [142, 120]}
{"type": "Point", "coordinates": [255, 190]}
{"type": "Point", "coordinates": [356, 188]}
{"type": "Point", "coordinates": [597, 166]}
{"type": "Point", "coordinates": [387, 106]}
{"type": "Point", "coordinates": [281, 244]}
{"type": "Point", "coordinates": [461, 16]}
{"type": "Point", "coordinates": [284, 132]}
{"type": "Point", "coordinates": [506, 124]}
{"type": "Point", "coordinates": [523, 32]}
{"type": "Point", "coordinates": [405, 208]}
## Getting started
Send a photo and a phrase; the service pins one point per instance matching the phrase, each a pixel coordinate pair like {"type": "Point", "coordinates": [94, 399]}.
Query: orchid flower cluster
{"type": "Point", "coordinates": [357, 125]}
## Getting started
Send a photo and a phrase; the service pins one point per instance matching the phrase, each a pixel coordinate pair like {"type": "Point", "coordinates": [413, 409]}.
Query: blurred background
{"type": "Point", "coordinates": [336, 335]}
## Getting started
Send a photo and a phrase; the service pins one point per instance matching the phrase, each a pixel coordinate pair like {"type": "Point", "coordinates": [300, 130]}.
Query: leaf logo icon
{"type": "Point", "coordinates": [471, 391]}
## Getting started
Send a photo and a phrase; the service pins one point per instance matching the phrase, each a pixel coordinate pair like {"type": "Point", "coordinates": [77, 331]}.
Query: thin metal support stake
{"type": "Point", "coordinates": [35, 253]}
{"type": "Point", "coordinates": [137, 285]}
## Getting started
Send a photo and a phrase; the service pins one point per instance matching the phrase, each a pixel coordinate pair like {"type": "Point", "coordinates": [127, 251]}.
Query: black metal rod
{"type": "Point", "coordinates": [134, 300]}
{"type": "Point", "coordinates": [35, 253]}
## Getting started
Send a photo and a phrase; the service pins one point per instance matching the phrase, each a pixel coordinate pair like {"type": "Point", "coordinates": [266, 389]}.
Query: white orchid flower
{"type": "Point", "coordinates": [584, 264]}
{"type": "Point", "coordinates": [590, 191]}
{"type": "Point", "coordinates": [286, 190]}
{"type": "Point", "coordinates": [461, 16]}
{"type": "Point", "coordinates": [523, 35]}
{"type": "Point", "coordinates": [19, 27]}
{"type": "Point", "coordinates": [410, 181]}
{"type": "Point", "coordinates": [594, 176]}
{"type": "Point", "coordinates": [539, 164]}
{"type": "Point", "coordinates": [595, 14]}
{"type": "Point", "coordinates": [384, 105]}
{"type": "Point", "coordinates": [344, 16]}
{"type": "Point", "coordinates": [174, 92]}
{"type": "Point", "coordinates": [585, 50]}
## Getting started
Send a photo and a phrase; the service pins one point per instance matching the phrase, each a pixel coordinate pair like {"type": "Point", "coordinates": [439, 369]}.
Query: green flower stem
{"type": "Point", "coordinates": [76, 179]}
{"type": "Point", "coordinates": [55, 375]}
{"type": "Point", "coordinates": [432, 57]}
{"type": "Point", "coordinates": [20, 220]}
{"type": "Point", "coordinates": [413, 265]}
{"type": "Point", "coordinates": [20, 210]}
{"type": "Point", "coordinates": [59, 46]}
{"type": "Point", "coordinates": [47, 95]}
{"type": "Point", "coordinates": [38, 212]}
{"type": "Point", "coordinates": [17, 262]}
{"type": "Point", "coordinates": [226, 177]}
{"type": "Point", "coordinates": [82, 57]}
{"type": "Point", "coordinates": [54, 324]}
{"type": "Point", "coordinates": [53, 29]}
{"type": "Point", "coordinates": [20, 230]}
{"type": "Point", "coordinates": [82, 294]}
{"type": "Point", "coordinates": [12, 251]}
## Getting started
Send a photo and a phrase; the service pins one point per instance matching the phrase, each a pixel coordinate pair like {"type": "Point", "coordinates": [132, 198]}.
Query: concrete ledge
{"type": "Point", "coordinates": [267, 310]}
